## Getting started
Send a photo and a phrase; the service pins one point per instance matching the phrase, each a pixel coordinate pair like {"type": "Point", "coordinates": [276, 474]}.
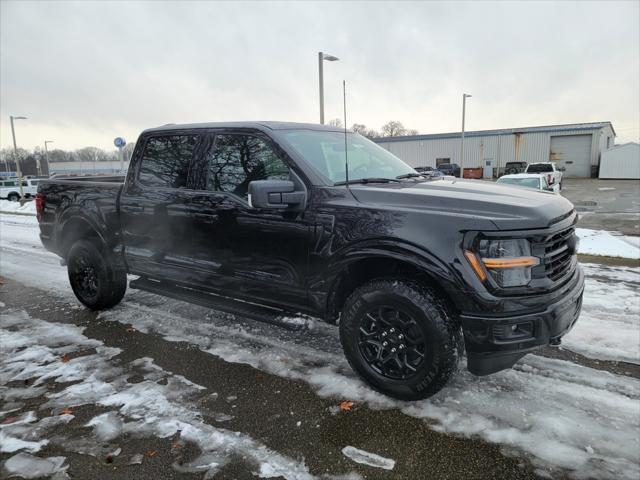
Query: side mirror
{"type": "Point", "coordinates": [549, 189]}
{"type": "Point", "coordinates": [274, 194]}
{"type": "Point", "coordinates": [562, 169]}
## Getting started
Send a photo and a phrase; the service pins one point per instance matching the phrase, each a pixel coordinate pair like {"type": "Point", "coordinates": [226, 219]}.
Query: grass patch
{"type": "Point", "coordinates": [614, 261]}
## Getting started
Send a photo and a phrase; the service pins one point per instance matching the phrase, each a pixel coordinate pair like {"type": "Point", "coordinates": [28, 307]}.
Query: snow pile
{"type": "Point", "coordinates": [562, 414]}
{"type": "Point", "coordinates": [27, 466]}
{"type": "Point", "coordinates": [34, 349]}
{"type": "Point", "coordinates": [367, 458]}
{"type": "Point", "coordinates": [29, 207]}
{"type": "Point", "coordinates": [600, 242]}
{"type": "Point", "coordinates": [609, 325]}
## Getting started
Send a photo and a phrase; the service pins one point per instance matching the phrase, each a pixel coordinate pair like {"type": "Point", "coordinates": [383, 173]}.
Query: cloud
{"type": "Point", "coordinates": [86, 72]}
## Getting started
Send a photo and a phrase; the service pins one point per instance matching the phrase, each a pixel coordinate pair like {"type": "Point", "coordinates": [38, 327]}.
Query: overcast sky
{"type": "Point", "coordinates": [86, 72]}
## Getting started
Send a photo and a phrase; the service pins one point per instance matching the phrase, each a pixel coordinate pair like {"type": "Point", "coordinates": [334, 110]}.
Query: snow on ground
{"type": "Point", "coordinates": [561, 415]}
{"type": "Point", "coordinates": [34, 349]}
{"type": "Point", "coordinates": [15, 207]}
{"type": "Point", "coordinates": [556, 411]}
{"type": "Point", "coordinates": [27, 466]}
{"type": "Point", "coordinates": [609, 326]}
{"type": "Point", "coordinates": [600, 242]}
{"type": "Point", "coordinates": [19, 219]}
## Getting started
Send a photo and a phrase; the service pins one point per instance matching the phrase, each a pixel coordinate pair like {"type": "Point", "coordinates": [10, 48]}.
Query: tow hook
{"type": "Point", "coordinates": [555, 342]}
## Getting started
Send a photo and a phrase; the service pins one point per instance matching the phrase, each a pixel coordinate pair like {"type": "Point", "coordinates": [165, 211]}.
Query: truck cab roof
{"type": "Point", "coordinates": [259, 125]}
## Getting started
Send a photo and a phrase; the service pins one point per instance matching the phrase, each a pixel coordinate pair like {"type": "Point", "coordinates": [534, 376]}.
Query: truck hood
{"type": "Point", "coordinates": [507, 207]}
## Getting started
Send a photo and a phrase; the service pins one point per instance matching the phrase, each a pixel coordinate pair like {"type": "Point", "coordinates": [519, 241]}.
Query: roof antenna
{"type": "Point", "coordinates": [346, 158]}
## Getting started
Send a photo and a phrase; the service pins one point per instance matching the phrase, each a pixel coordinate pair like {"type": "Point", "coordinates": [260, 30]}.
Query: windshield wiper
{"type": "Point", "coordinates": [368, 180]}
{"type": "Point", "coordinates": [410, 175]}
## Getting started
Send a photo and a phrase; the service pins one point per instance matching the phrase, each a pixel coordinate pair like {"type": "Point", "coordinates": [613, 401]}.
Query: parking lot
{"type": "Point", "coordinates": [612, 205]}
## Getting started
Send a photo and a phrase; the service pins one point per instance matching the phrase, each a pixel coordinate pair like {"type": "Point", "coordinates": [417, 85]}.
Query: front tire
{"type": "Point", "coordinates": [400, 338]}
{"type": "Point", "coordinates": [95, 278]}
{"type": "Point", "coordinates": [13, 197]}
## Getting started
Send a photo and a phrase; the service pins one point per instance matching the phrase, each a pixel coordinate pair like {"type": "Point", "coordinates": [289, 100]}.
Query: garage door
{"type": "Point", "coordinates": [572, 152]}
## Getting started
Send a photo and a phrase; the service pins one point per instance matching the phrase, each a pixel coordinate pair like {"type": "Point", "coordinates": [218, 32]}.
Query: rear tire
{"type": "Point", "coordinates": [400, 338]}
{"type": "Point", "coordinates": [97, 281]}
{"type": "Point", "coordinates": [13, 197]}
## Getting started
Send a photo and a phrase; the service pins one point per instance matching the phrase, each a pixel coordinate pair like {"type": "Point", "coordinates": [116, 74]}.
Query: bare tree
{"type": "Point", "coordinates": [336, 122]}
{"type": "Point", "coordinates": [393, 128]}
{"type": "Point", "coordinates": [364, 131]}
{"type": "Point", "coordinates": [371, 133]}
{"type": "Point", "coordinates": [412, 131]}
{"type": "Point", "coordinates": [58, 155]}
{"type": "Point", "coordinates": [93, 154]}
{"type": "Point", "coordinates": [359, 128]}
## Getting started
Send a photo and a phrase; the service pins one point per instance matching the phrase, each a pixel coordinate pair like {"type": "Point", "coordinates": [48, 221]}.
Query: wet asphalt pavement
{"type": "Point", "coordinates": [612, 205]}
{"type": "Point", "coordinates": [267, 408]}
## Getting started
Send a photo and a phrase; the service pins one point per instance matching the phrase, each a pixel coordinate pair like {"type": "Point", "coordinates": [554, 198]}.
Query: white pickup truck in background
{"type": "Point", "coordinates": [553, 174]}
{"type": "Point", "coordinates": [10, 189]}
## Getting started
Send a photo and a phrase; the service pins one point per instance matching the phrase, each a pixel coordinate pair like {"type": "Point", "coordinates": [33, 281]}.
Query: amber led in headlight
{"type": "Point", "coordinates": [507, 261]}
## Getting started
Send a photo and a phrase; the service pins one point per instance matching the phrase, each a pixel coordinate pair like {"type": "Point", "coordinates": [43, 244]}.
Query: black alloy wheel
{"type": "Point", "coordinates": [83, 275]}
{"type": "Point", "coordinates": [97, 280]}
{"type": "Point", "coordinates": [391, 342]}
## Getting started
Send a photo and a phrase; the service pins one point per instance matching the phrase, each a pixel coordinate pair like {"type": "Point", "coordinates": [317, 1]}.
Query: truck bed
{"type": "Point", "coordinates": [65, 199]}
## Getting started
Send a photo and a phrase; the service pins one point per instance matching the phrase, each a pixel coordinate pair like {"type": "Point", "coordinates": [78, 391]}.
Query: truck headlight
{"type": "Point", "coordinates": [508, 261]}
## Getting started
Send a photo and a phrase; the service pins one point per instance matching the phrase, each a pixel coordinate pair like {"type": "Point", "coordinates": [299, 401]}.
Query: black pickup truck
{"type": "Point", "coordinates": [261, 220]}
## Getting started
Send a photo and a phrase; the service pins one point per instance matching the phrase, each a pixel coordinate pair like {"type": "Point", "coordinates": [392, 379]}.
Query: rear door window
{"type": "Point", "coordinates": [166, 161]}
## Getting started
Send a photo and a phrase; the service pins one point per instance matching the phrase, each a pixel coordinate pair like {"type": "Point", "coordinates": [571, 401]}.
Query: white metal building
{"type": "Point", "coordinates": [576, 147]}
{"type": "Point", "coordinates": [87, 168]}
{"type": "Point", "coordinates": [621, 161]}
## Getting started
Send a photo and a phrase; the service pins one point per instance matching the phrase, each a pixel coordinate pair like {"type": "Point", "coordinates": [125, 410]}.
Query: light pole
{"type": "Point", "coordinates": [15, 151]}
{"type": "Point", "coordinates": [46, 156]}
{"type": "Point", "coordinates": [464, 103]}
{"type": "Point", "coordinates": [321, 58]}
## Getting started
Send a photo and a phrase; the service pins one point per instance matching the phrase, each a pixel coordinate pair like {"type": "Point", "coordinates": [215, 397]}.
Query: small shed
{"type": "Point", "coordinates": [621, 161]}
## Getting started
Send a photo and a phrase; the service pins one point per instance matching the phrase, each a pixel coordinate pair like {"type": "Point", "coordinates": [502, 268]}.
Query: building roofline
{"type": "Point", "coordinates": [496, 132]}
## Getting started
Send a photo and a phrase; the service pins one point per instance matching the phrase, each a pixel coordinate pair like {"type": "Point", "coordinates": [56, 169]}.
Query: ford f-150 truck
{"type": "Point", "coordinates": [266, 220]}
{"type": "Point", "coordinates": [553, 173]}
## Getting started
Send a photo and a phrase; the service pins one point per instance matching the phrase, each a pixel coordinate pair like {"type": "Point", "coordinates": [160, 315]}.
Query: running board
{"type": "Point", "coordinates": [253, 311]}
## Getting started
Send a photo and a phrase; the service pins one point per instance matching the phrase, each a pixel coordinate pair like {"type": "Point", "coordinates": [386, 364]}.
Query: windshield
{"type": "Point", "coordinates": [521, 182]}
{"type": "Point", "coordinates": [325, 151]}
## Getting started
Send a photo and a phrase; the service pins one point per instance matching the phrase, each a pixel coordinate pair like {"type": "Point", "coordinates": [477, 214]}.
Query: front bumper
{"type": "Point", "coordinates": [494, 344]}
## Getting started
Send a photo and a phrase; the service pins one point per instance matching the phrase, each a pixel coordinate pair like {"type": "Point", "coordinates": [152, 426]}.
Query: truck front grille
{"type": "Point", "coordinates": [559, 249]}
